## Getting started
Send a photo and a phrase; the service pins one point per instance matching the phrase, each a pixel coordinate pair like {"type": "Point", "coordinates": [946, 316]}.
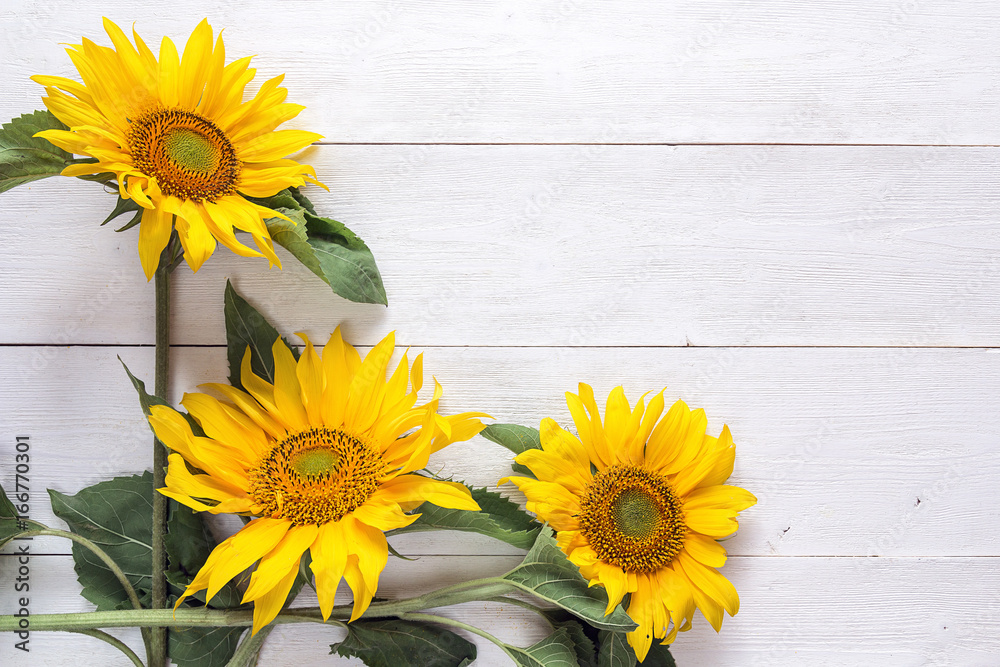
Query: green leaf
{"type": "Point", "coordinates": [398, 643]}
{"type": "Point", "coordinates": [326, 247]}
{"type": "Point", "coordinates": [203, 647]}
{"type": "Point", "coordinates": [24, 157]}
{"type": "Point", "coordinates": [515, 438]}
{"type": "Point", "coordinates": [188, 540]}
{"type": "Point", "coordinates": [347, 263]}
{"type": "Point", "coordinates": [659, 656]}
{"type": "Point", "coordinates": [615, 651]}
{"type": "Point", "coordinates": [115, 516]}
{"type": "Point", "coordinates": [123, 206]}
{"type": "Point", "coordinates": [145, 399]}
{"type": "Point", "coordinates": [556, 650]}
{"type": "Point", "coordinates": [499, 518]}
{"type": "Point", "coordinates": [247, 327]}
{"type": "Point", "coordinates": [583, 645]}
{"type": "Point", "coordinates": [11, 523]}
{"type": "Point", "coordinates": [546, 573]}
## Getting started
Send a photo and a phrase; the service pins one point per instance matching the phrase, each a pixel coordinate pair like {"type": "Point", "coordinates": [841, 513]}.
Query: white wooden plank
{"type": "Point", "coordinates": [850, 451]}
{"type": "Point", "coordinates": [827, 612]}
{"type": "Point", "coordinates": [550, 245]}
{"type": "Point", "coordinates": [567, 70]}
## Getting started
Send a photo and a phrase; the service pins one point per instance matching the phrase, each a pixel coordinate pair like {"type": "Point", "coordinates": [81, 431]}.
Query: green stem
{"type": "Point", "coordinates": [158, 639]}
{"type": "Point", "coordinates": [204, 617]}
{"type": "Point", "coordinates": [114, 641]}
{"type": "Point", "coordinates": [248, 650]}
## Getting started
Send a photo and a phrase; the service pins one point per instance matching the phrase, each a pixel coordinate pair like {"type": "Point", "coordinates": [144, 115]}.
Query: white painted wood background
{"type": "Point", "coordinates": [786, 212]}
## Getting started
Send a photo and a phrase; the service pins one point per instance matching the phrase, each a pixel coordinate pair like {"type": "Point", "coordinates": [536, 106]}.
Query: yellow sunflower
{"type": "Point", "coordinates": [180, 139]}
{"type": "Point", "coordinates": [638, 503]}
{"type": "Point", "coordinates": [324, 459]}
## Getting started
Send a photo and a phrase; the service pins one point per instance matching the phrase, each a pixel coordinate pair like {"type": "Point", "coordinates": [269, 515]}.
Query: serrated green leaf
{"type": "Point", "coordinates": [115, 516]}
{"type": "Point", "coordinates": [517, 439]}
{"type": "Point", "coordinates": [499, 518]}
{"type": "Point", "coordinates": [24, 157]}
{"type": "Point", "coordinates": [245, 326]}
{"type": "Point", "coordinates": [399, 643]}
{"type": "Point", "coordinates": [546, 573]}
{"type": "Point", "coordinates": [556, 650]}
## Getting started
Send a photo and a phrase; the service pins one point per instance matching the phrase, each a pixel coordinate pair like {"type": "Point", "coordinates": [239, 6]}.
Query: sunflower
{"type": "Point", "coordinates": [180, 140]}
{"type": "Point", "coordinates": [638, 503]}
{"type": "Point", "coordinates": [324, 459]}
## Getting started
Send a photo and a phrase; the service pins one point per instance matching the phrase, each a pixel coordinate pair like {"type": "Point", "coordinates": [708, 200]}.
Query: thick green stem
{"type": "Point", "coordinates": [205, 617]}
{"type": "Point", "coordinates": [158, 640]}
{"type": "Point", "coordinates": [114, 641]}
{"type": "Point", "coordinates": [249, 649]}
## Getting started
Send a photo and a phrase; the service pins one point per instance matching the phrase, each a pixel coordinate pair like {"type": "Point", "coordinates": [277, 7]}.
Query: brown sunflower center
{"type": "Point", "coordinates": [189, 156]}
{"type": "Point", "coordinates": [316, 476]}
{"type": "Point", "coordinates": [632, 518]}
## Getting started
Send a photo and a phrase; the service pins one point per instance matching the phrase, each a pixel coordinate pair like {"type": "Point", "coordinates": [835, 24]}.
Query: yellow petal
{"type": "Point", "coordinates": [329, 559]}
{"type": "Point", "coordinates": [720, 497]}
{"type": "Point", "coordinates": [339, 375]}
{"type": "Point", "coordinates": [383, 516]}
{"type": "Point", "coordinates": [615, 581]}
{"type": "Point", "coordinates": [705, 550]}
{"type": "Point", "coordinates": [714, 522]}
{"type": "Point", "coordinates": [285, 556]}
{"type": "Point", "coordinates": [275, 145]}
{"type": "Point", "coordinates": [309, 372]}
{"type": "Point", "coordinates": [550, 468]}
{"type": "Point", "coordinates": [154, 232]}
{"type": "Point", "coordinates": [195, 65]}
{"type": "Point", "coordinates": [368, 386]}
{"type": "Point", "coordinates": [287, 392]}
{"type": "Point", "coordinates": [362, 595]}
{"type": "Point", "coordinates": [267, 606]}
{"type": "Point", "coordinates": [245, 548]}
{"type": "Point", "coordinates": [418, 488]}
{"type": "Point", "coordinates": [196, 239]}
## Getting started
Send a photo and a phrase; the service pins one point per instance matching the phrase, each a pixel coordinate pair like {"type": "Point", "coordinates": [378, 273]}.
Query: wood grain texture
{"type": "Point", "coordinates": [835, 305]}
{"type": "Point", "coordinates": [557, 245]}
{"type": "Point", "coordinates": [850, 452]}
{"type": "Point", "coordinates": [827, 612]}
{"type": "Point", "coordinates": [894, 72]}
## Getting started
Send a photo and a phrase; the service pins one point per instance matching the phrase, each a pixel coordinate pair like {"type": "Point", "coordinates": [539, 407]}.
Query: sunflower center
{"type": "Point", "coordinates": [632, 518]}
{"type": "Point", "coordinates": [189, 156]}
{"type": "Point", "coordinates": [316, 476]}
